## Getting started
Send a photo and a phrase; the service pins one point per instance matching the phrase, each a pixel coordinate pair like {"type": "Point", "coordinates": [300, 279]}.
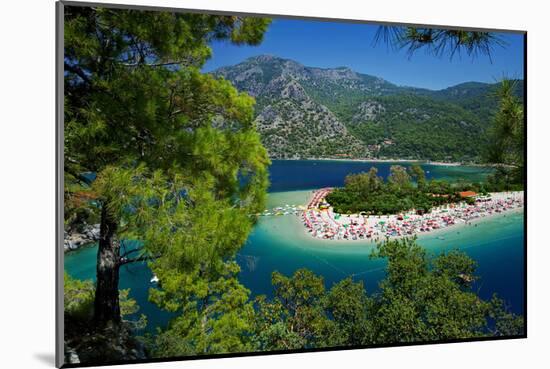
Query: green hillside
{"type": "Point", "coordinates": [305, 112]}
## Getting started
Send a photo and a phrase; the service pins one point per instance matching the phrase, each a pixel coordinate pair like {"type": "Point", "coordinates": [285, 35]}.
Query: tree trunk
{"type": "Point", "coordinates": [106, 304]}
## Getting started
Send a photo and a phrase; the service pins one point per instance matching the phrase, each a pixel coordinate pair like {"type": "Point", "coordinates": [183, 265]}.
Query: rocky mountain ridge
{"type": "Point", "coordinates": [311, 112]}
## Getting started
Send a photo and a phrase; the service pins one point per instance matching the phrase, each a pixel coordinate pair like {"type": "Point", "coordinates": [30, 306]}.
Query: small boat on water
{"type": "Point", "coordinates": [155, 279]}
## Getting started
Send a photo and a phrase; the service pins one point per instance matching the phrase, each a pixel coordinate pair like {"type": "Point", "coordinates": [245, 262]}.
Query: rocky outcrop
{"type": "Point", "coordinates": [71, 356]}
{"type": "Point", "coordinates": [87, 345]}
{"type": "Point", "coordinates": [295, 126]}
{"type": "Point", "coordinates": [73, 240]}
{"type": "Point", "coordinates": [310, 112]}
{"type": "Point", "coordinates": [291, 122]}
{"type": "Point", "coordinates": [368, 111]}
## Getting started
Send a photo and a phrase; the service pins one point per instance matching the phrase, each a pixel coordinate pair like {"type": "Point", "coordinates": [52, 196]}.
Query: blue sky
{"type": "Point", "coordinates": [333, 44]}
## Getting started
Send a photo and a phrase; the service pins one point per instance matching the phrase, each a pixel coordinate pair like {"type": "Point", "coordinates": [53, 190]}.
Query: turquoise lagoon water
{"type": "Point", "coordinates": [281, 243]}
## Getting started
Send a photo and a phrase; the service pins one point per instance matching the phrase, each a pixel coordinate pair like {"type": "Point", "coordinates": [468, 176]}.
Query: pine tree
{"type": "Point", "coordinates": [439, 41]}
{"type": "Point", "coordinates": [178, 164]}
{"type": "Point", "coordinates": [507, 137]}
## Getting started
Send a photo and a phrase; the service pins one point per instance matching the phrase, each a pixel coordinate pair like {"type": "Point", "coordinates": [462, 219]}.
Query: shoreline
{"type": "Point", "coordinates": [473, 222]}
{"type": "Point", "coordinates": [445, 237]}
{"type": "Point", "coordinates": [367, 160]}
{"type": "Point", "coordinates": [75, 240]}
{"type": "Point", "coordinates": [325, 225]}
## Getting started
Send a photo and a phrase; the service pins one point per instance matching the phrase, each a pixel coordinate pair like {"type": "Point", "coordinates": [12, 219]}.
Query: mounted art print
{"type": "Point", "coordinates": [243, 184]}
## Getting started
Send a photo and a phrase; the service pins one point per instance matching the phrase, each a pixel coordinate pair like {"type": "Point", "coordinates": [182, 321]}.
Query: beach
{"type": "Point", "coordinates": [321, 222]}
{"type": "Point", "coordinates": [282, 243]}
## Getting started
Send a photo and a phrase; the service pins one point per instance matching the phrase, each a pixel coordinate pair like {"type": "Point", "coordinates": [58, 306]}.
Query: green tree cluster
{"type": "Point", "coordinates": [404, 190]}
{"type": "Point", "coordinates": [78, 296]}
{"type": "Point", "coordinates": [421, 299]}
{"type": "Point", "coordinates": [161, 154]}
{"type": "Point", "coordinates": [407, 189]}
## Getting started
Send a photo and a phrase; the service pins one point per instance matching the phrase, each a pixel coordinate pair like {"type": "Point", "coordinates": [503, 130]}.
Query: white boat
{"type": "Point", "coordinates": [155, 279]}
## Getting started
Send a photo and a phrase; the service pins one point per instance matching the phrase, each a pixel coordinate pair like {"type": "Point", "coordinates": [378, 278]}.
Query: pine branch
{"type": "Point", "coordinates": [125, 255]}
{"type": "Point", "coordinates": [188, 61]}
{"type": "Point", "coordinates": [79, 72]}
{"type": "Point", "coordinates": [124, 260]}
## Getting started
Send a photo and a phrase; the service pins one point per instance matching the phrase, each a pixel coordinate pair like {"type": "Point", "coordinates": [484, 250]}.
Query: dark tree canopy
{"type": "Point", "coordinates": [158, 152]}
{"type": "Point", "coordinates": [420, 299]}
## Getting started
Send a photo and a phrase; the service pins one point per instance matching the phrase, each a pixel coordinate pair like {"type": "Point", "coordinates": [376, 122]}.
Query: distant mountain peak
{"type": "Point", "coordinates": [263, 58]}
{"type": "Point", "coordinates": [309, 112]}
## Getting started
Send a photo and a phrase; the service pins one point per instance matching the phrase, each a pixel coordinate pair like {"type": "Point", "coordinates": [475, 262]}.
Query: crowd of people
{"type": "Point", "coordinates": [321, 221]}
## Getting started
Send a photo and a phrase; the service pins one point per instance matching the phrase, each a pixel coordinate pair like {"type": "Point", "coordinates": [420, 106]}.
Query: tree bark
{"type": "Point", "coordinates": [106, 303]}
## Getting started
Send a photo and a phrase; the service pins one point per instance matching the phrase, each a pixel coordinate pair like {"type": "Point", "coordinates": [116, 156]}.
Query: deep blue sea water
{"type": "Point", "coordinates": [280, 243]}
{"type": "Point", "coordinates": [291, 175]}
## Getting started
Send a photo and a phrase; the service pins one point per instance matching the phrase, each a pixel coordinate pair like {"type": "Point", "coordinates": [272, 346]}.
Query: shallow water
{"type": "Point", "coordinates": [281, 243]}
{"type": "Point", "coordinates": [81, 264]}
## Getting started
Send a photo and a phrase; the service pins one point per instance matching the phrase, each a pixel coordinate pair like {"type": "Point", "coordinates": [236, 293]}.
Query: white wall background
{"type": "Point", "coordinates": [27, 181]}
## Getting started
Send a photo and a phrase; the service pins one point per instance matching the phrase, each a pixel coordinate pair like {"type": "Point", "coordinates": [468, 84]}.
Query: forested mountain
{"type": "Point", "coordinates": [306, 112]}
